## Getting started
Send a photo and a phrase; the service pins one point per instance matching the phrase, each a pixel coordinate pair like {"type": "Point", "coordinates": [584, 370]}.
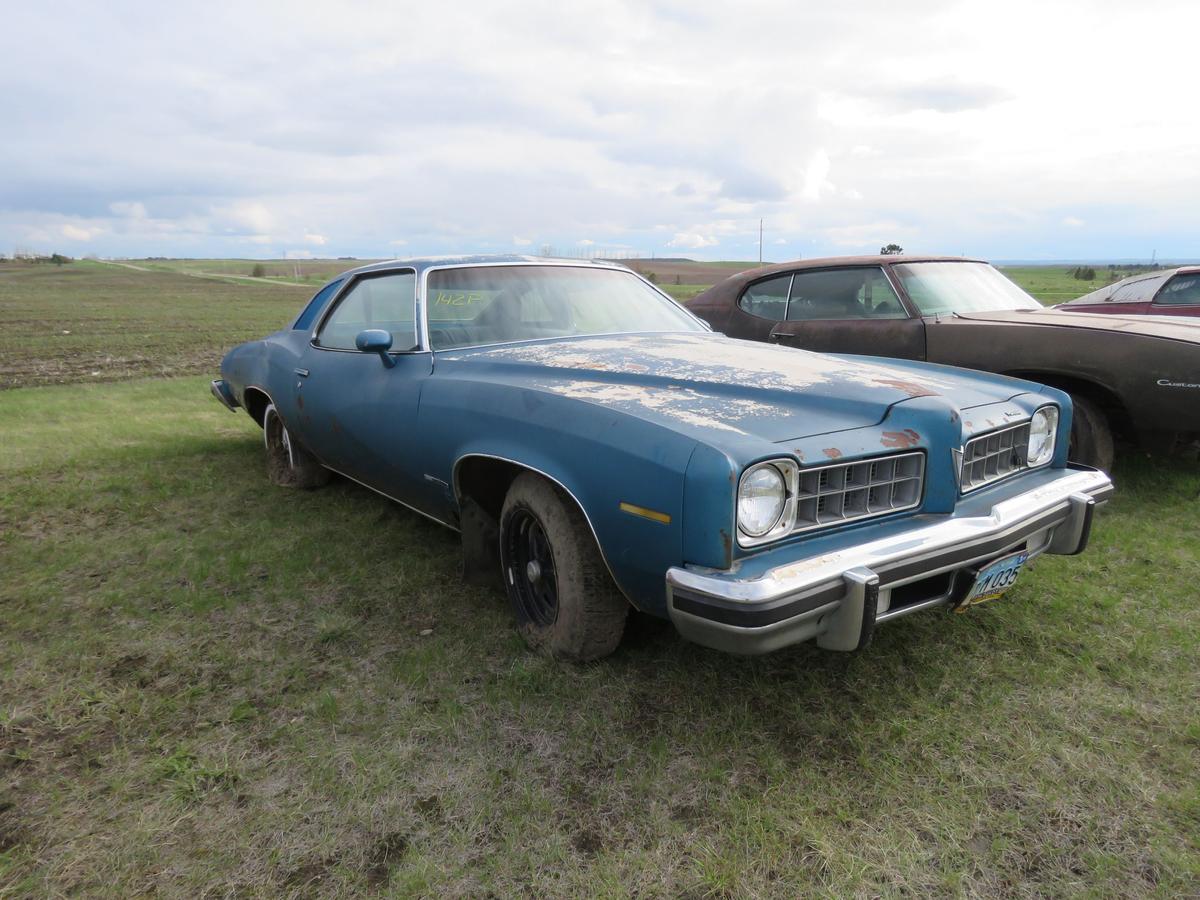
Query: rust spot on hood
{"type": "Point", "coordinates": [909, 387]}
{"type": "Point", "coordinates": [832, 452]}
{"type": "Point", "coordinates": [727, 543]}
{"type": "Point", "coordinates": [900, 440]}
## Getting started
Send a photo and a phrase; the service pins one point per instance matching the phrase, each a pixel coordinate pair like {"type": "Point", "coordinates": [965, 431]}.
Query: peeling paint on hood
{"type": "Point", "coordinates": [718, 385]}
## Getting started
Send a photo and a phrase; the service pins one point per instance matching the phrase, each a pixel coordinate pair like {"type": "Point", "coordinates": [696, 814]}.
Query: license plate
{"type": "Point", "coordinates": [994, 579]}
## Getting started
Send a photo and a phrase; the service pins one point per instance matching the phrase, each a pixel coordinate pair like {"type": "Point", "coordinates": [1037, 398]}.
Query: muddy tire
{"type": "Point", "coordinates": [565, 602]}
{"type": "Point", "coordinates": [288, 463]}
{"type": "Point", "coordinates": [1091, 435]}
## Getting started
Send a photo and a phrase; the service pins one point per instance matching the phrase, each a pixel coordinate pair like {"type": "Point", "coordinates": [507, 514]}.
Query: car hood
{"type": "Point", "coordinates": [1172, 328]}
{"type": "Point", "coordinates": [717, 385]}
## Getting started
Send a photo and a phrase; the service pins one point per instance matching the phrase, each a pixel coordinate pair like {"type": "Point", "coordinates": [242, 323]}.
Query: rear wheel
{"type": "Point", "coordinates": [565, 602]}
{"type": "Point", "coordinates": [1091, 435]}
{"type": "Point", "coordinates": [288, 463]}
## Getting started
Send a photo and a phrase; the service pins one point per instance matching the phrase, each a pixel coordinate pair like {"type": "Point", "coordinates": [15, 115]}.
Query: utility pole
{"type": "Point", "coordinates": [760, 242]}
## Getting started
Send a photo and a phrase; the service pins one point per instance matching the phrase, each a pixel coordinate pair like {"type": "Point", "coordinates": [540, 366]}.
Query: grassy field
{"type": "Point", "coordinates": [99, 321]}
{"type": "Point", "coordinates": [210, 686]}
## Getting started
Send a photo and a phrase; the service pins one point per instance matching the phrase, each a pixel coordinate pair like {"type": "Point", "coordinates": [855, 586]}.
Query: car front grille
{"type": "Point", "coordinates": [993, 456]}
{"type": "Point", "coordinates": [843, 492]}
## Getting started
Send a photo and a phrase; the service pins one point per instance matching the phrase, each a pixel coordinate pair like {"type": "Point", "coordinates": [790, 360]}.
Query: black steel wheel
{"type": "Point", "coordinates": [534, 584]}
{"type": "Point", "coordinates": [561, 593]}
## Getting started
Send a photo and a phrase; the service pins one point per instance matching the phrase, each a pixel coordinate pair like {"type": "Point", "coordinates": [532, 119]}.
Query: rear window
{"type": "Point", "coordinates": [315, 305]}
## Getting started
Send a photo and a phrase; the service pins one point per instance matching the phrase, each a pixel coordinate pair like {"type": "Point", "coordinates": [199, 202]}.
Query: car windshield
{"type": "Point", "coordinates": [476, 305]}
{"type": "Point", "coordinates": [943, 288]}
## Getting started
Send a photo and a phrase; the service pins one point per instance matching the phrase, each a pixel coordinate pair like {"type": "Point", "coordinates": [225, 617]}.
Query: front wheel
{"type": "Point", "coordinates": [1091, 435]}
{"type": "Point", "coordinates": [288, 463]}
{"type": "Point", "coordinates": [565, 602]}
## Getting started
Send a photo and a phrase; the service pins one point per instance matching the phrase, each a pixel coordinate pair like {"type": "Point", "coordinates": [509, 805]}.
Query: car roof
{"type": "Point", "coordinates": [431, 262]}
{"type": "Point", "coordinates": [798, 265]}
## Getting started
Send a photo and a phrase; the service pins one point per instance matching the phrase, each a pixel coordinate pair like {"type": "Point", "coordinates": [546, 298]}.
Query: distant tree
{"type": "Point", "coordinates": [259, 271]}
{"type": "Point", "coordinates": [891, 250]}
{"type": "Point", "coordinates": [58, 259]}
{"type": "Point", "coordinates": [1084, 273]}
{"type": "Point", "coordinates": [652, 277]}
{"type": "Point", "coordinates": [679, 279]}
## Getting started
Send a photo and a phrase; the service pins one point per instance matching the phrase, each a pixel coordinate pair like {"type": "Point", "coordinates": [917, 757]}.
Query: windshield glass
{"type": "Point", "coordinates": [942, 288]}
{"type": "Point", "coordinates": [496, 304]}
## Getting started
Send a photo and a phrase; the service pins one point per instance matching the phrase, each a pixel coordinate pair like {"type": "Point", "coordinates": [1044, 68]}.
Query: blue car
{"type": "Point", "coordinates": [598, 447]}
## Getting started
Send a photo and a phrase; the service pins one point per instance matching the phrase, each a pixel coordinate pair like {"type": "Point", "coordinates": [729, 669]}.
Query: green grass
{"type": "Point", "coordinates": [91, 321]}
{"type": "Point", "coordinates": [210, 686]}
{"type": "Point", "coordinates": [1057, 284]}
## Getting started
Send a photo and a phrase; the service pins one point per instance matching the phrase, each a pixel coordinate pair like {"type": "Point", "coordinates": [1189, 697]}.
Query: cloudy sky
{"type": "Point", "coordinates": [1015, 130]}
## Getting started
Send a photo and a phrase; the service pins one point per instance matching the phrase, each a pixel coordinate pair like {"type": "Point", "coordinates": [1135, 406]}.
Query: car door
{"type": "Point", "coordinates": [358, 414]}
{"type": "Point", "coordinates": [853, 309]}
{"type": "Point", "coordinates": [1178, 297]}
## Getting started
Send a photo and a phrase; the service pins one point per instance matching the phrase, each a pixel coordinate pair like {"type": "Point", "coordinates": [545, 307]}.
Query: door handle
{"type": "Point", "coordinates": [303, 373]}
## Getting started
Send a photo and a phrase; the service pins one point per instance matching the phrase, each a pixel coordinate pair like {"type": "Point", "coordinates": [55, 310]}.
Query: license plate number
{"type": "Point", "coordinates": [994, 579]}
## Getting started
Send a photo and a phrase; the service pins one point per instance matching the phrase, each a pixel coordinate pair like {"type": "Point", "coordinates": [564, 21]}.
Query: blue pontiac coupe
{"type": "Point", "coordinates": [598, 447]}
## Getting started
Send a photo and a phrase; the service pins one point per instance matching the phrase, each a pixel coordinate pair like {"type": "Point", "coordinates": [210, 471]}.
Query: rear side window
{"type": "Point", "coordinates": [1182, 290]}
{"type": "Point", "coordinates": [315, 305]}
{"type": "Point", "coordinates": [767, 299]}
{"type": "Point", "coordinates": [1140, 291]}
{"type": "Point", "coordinates": [387, 302]}
{"type": "Point", "coordinates": [859, 293]}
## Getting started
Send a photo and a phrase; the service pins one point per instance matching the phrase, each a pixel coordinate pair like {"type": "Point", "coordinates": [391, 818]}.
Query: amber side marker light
{"type": "Point", "coordinates": [651, 514]}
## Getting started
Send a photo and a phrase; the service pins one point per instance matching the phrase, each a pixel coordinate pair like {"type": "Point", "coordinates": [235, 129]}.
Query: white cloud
{"type": "Point", "coordinates": [298, 254]}
{"type": "Point", "coordinates": [318, 239]}
{"type": "Point", "coordinates": [686, 241]}
{"type": "Point", "coordinates": [545, 126]}
{"type": "Point", "coordinates": [398, 242]}
{"type": "Point", "coordinates": [586, 242]}
{"type": "Point", "coordinates": [128, 209]}
{"type": "Point", "coordinates": [521, 242]}
{"type": "Point", "coordinates": [816, 176]}
{"type": "Point", "coordinates": [248, 215]}
{"type": "Point", "coordinates": [1072, 222]}
{"type": "Point", "coordinates": [76, 233]}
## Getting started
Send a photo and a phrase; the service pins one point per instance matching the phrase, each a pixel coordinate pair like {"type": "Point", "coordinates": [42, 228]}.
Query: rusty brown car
{"type": "Point", "coordinates": [1132, 378]}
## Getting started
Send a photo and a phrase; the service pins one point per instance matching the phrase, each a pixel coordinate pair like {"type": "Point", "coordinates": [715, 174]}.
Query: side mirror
{"type": "Point", "coordinates": [376, 340]}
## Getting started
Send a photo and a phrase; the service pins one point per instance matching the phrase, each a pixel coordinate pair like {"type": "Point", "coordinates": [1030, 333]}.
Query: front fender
{"type": "Point", "coordinates": [611, 463]}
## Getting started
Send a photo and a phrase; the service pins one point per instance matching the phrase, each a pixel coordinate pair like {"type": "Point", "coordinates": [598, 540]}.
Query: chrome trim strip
{"type": "Point", "coordinates": [390, 497]}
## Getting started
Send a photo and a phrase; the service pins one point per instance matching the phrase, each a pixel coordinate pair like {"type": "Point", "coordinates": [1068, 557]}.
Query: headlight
{"type": "Point", "coordinates": [762, 497]}
{"type": "Point", "coordinates": [1042, 429]}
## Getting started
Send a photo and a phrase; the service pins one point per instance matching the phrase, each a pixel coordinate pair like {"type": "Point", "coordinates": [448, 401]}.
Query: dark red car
{"type": "Point", "coordinates": [1131, 377]}
{"type": "Point", "coordinates": [1167, 292]}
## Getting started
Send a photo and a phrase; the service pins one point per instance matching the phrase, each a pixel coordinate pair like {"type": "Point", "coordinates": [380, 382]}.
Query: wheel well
{"type": "Point", "coordinates": [481, 483]}
{"type": "Point", "coordinates": [1108, 402]}
{"type": "Point", "coordinates": [486, 481]}
{"type": "Point", "coordinates": [256, 403]}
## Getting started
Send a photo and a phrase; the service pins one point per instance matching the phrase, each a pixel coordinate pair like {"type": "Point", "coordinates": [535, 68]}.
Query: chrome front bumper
{"type": "Point", "coordinates": [838, 597]}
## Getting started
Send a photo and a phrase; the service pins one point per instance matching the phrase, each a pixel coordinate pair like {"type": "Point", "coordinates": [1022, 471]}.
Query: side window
{"type": "Point", "coordinates": [861, 293]}
{"type": "Point", "coordinates": [767, 299]}
{"type": "Point", "coordinates": [315, 305]}
{"type": "Point", "coordinates": [1140, 291]}
{"type": "Point", "coordinates": [376, 301]}
{"type": "Point", "coordinates": [1182, 290]}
